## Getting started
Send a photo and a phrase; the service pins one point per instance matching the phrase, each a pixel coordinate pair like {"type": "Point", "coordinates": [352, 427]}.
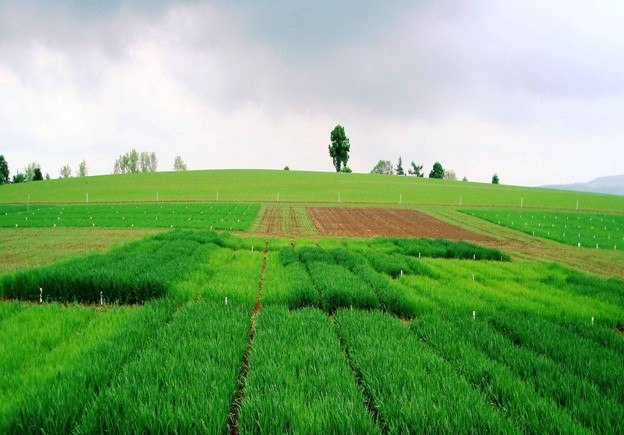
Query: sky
{"type": "Point", "coordinates": [532, 90]}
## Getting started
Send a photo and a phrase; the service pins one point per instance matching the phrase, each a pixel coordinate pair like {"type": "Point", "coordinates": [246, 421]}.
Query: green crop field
{"type": "Point", "coordinates": [217, 216]}
{"type": "Point", "coordinates": [194, 331]}
{"type": "Point", "coordinates": [297, 186]}
{"type": "Point", "coordinates": [126, 305]}
{"type": "Point", "coordinates": [582, 229]}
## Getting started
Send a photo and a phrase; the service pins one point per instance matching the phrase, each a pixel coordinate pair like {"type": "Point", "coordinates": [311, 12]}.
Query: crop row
{"type": "Point", "coordinates": [582, 229]}
{"type": "Point", "coordinates": [213, 216]}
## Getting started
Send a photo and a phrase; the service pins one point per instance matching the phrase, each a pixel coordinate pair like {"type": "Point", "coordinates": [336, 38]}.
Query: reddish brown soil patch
{"type": "Point", "coordinates": [384, 222]}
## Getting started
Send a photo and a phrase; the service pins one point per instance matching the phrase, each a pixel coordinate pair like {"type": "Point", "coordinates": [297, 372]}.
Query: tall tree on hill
{"type": "Point", "coordinates": [4, 171]}
{"type": "Point", "coordinates": [437, 171]}
{"type": "Point", "coordinates": [37, 175]}
{"type": "Point", "coordinates": [178, 164]}
{"type": "Point", "coordinates": [82, 169]}
{"type": "Point", "coordinates": [495, 179]}
{"type": "Point", "coordinates": [340, 147]}
{"type": "Point", "coordinates": [66, 171]}
{"type": "Point", "coordinates": [148, 162]}
{"type": "Point", "coordinates": [415, 170]}
{"type": "Point", "coordinates": [399, 167]}
{"type": "Point", "coordinates": [29, 172]}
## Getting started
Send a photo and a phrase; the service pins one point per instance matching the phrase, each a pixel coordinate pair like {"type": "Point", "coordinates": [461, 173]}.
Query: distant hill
{"type": "Point", "coordinates": [613, 185]}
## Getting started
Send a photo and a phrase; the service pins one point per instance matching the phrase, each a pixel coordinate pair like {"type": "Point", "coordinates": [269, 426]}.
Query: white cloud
{"type": "Point", "coordinates": [534, 95]}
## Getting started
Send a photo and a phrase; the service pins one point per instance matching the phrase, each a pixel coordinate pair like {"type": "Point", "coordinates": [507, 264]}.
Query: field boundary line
{"type": "Point", "coordinates": [369, 400]}
{"type": "Point", "coordinates": [237, 402]}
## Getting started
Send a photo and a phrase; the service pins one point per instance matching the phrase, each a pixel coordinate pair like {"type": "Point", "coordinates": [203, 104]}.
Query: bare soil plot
{"type": "Point", "coordinates": [385, 222]}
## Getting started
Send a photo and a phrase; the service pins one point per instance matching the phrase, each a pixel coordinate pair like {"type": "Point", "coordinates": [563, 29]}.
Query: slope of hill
{"type": "Point", "coordinates": [295, 186]}
{"type": "Point", "coordinates": [613, 185]}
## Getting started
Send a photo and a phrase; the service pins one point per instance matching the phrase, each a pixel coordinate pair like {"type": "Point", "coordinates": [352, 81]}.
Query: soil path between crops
{"type": "Point", "coordinates": [242, 376]}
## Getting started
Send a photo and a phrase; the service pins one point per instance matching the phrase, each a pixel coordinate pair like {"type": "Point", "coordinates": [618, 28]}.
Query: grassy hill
{"type": "Point", "coordinates": [296, 186]}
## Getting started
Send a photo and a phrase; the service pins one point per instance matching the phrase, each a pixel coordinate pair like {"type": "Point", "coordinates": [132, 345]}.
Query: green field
{"type": "Point", "coordinates": [213, 216]}
{"type": "Point", "coordinates": [297, 186]}
{"type": "Point", "coordinates": [378, 335]}
{"type": "Point", "coordinates": [587, 230]}
{"type": "Point", "coordinates": [152, 321]}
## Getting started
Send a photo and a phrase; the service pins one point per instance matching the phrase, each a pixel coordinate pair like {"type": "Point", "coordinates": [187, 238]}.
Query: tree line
{"type": "Point", "coordinates": [129, 162]}
{"type": "Point", "coordinates": [341, 146]}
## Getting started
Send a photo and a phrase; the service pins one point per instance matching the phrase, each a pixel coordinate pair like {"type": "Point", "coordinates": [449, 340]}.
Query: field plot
{"type": "Point", "coordinates": [369, 222]}
{"type": "Point", "coordinates": [385, 335]}
{"type": "Point", "coordinates": [208, 216]}
{"type": "Point", "coordinates": [284, 221]}
{"type": "Point", "coordinates": [588, 230]}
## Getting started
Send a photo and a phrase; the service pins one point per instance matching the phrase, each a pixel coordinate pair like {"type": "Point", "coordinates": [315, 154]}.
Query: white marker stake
{"type": "Point", "coordinates": [101, 299]}
{"type": "Point", "coordinates": [401, 272]}
{"type": "Point", "coordinates": [87, 197]}
{"type": "Point", "coordinates": [521, 202]}
{"type": "Point", "coordinates": [40, 295]}
{"type": "Point", "coordinates": [474, 257]}
{"type": "Point", "coordinates": [592, 321]}
{"type": "Point", "coordinates": [473, 278]}
{"type": "Point", "coordinates": [252, 249]}
{"type": "Point", "coordinates": [419, 255]}
{"type": "Point", "coordinates": [226, 300]}
{"type": "Point", "coordinates": [474, 315]}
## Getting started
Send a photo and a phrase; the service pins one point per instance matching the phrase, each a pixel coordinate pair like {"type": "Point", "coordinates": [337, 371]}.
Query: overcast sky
{"type": "Point", "coordinates": [531, 90]}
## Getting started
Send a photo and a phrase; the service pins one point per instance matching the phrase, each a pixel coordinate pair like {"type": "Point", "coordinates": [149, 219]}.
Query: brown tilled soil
{"type": "Point", "coordinates": [385, 222]}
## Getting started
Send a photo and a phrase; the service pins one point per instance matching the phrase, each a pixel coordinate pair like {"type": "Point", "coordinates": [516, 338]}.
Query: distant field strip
{"type": "Point", "coordinates": [271, 186]}
{"type": "Point", "coordinates": [582, 229]}
{"type": "Point", "coordinates": [370, 222]}
{"type": "Point", "coordinates": [209, 216]}
{"type": "Point", "coordinates": [291, 221]}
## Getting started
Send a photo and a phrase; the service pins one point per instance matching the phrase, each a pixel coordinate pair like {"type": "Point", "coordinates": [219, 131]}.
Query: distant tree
{"type": "Point", "coordinates": [178, 164]}
{"type": "Point", "coordinates": [4, 171]}
{"type": "Point", "coordinates": [127, 163]}
{"type": "Point", "coordinates": [148, 162]}
{"type": "Point", "coordinates": [83, 169]}
{"type": "Point", "coordinates": [346, 170]}
{"type": "Point", "coordinates": [437, 171]}
{"type": "Point", "coordinates": [383, 167]}
{"type": "Point", "coordinates": [450, 175]}
{"type": "Point", "coordinates": [29, 172]}
{"type": "Point", "coordinates": [37, 176]}
{"type": "Point", "coordinates": [399, 167]}
{"type": "Point", "coordinates": [47, 177]}
{"type": "Point", "coordinates": [464, 179]}
{"type": "Point", "coordinates": [495, 179]}
{"type": "Point", "coordinates": [286, 168]}
{"type": "Point", "coordinates": [19, 178]}
{"type": "Point", "coordinates": [66, 171]}
{"type": "Point", "coordinates": [339, 148]}
{"type": "Point", "coordinates": [415, 169]}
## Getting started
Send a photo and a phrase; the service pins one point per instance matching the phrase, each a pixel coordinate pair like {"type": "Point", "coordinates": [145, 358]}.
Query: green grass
{"type": "Point", "coordinates": [212, 216]}
{"type": "Point", "coordinates": [299, 381]}
{"type": "Point", "coordinates": [581, 229]}
{"type": "Point", "coordinates": [183, 381]}
{"type": "Point", "coordinates": [299, 186]}
{"type": "Point", "coordinates": [375, 335]}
